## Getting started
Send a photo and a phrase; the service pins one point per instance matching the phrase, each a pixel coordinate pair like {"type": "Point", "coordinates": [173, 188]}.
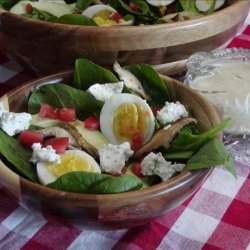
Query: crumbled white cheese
{"type": "Point", "coordinates": [13, 123]}
{"type": "Point", "coordinates": [44, 154]}
{"type": "Point", "coordinates": [113, 157]}
{"type": "Point", "coordinates": [2, 109]}
{"type": "Point", "coordinates": [103, 92]}
{"type": "Point", "coordinates": [155, 164]}
{"type": "Point", "coordinates": [171, 112]}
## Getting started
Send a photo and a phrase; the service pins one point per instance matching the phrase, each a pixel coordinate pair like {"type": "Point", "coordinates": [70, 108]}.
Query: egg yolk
{"type": "Point", "coordinates": [69, 163]}
{"type": "Point", "coordinates": [102, 18]}
{"type": "Point", "coordinates": [130, 119]}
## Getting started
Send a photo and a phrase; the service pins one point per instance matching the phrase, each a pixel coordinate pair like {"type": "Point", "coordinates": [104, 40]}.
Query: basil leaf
{"type": "Point", "coordinates": [188, 140]}
{"type": "Point", "coordinates": [88, 73]}
{"type": "Point", "coordinates": [74, 19]}
{"type": "Point", "coordinates": [18, 156]}
{"type": "Point", "coordinates": [212, 154]}
{"type": "Point", "coordinates": [95, 183]}
{"type": "Point", "coordinates": [151, 82]}
{"type": "Point", "coordinates": [64, 96]}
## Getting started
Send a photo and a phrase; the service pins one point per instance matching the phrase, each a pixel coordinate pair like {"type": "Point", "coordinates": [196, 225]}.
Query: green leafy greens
{"type": "Point", "coordinates": [18, 156]}
{"type": "Point", "coordinates": [95, 183]}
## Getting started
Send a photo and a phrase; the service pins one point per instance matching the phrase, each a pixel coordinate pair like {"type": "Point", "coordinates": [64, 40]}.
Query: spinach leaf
{"type": "Point", "coordinates": [188, 140]}
{"type": "Point", "coordinates": [18, 156]}
{"type": "Point", "coordinates": [74, 19]}
{"type": "Point", "coordinates": [7, 4]}
{"type": "Point", "coordinates": [83, 4]}
{"type": "Point", "coordinates": [88, 73]}
{"type": "Point", "coordinates": [39, 15]}
{"type": "Point", "coordinates": [95, 183]}
{"type": "Point", "coordinates": [151, 82]}
{"type": "Point", "coordinates": [212, 154]}
{"type": "Point", "coordinates": [64, 96]}
{"type": "Point", "coordinates": [188, 5]}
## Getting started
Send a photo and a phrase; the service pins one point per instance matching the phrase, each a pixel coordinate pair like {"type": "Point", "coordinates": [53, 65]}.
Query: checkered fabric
{"type": "Point", "coordinates": [217, 216]}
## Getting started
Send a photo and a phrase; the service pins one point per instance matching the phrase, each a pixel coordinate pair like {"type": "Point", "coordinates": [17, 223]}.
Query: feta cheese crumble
{"type": "Point", "coordinates": [113, 157]}
{"type": "Point", "coordinates": [171, 112]}
{"type": "Point", "coordinates": [13, 123]}
{"type": "Point", "coordinates": [103, 92]}
{"type": "Point", "coordinates": [155, 164]}
{"type": "Point", "coordinates": [44, 154]}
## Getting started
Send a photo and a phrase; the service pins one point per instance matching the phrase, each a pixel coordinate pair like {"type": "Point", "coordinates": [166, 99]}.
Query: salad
{"type": "Point", "coordinates": [107, 132]}
{"type": "Point", "coordinates": [112, 12]}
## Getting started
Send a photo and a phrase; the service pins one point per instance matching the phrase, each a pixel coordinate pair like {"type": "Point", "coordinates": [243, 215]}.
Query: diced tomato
{"type": "Point", "coordinates": [155, 110]}
{"type": "Point", "coordinates": [28, 8]}
{"type": "Point", "coordinates": [67, 114]}
{"type": "Point", "coordinates": [92, 123]}
{"type": "Point", "coordinates": [134, 7]}
{"type": "Point", "coordinates": [116, 17]}
{"type": "Point", "coordinates": [48, 111]}
{"type": "Point", "coordinates": [136, 169]}
{"type": "Point", "coordinates": [122, 172]}
{"type": "Point", "coordinates": [60, 144]}
{"type": "Point", "coordinates": [28, 137]}
{"type": "Point", "coordinates": [171, 9]}
{"type": "Point", "coordinates": [136, 141]}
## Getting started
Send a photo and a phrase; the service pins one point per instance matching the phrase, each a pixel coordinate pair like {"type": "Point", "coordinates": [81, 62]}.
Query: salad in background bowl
{"type": "Point", "coordinates": [103, 147]}
{"type": "Point", "coordinates": [109, 12]}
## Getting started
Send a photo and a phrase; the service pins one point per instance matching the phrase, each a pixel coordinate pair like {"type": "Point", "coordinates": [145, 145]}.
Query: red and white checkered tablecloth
{"type": "Point", "coordinates": [215, 217]}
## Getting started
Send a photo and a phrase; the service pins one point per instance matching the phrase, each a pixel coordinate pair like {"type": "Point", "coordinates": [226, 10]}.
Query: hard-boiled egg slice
{"type": "Point", "coordinates": [102, 15]}
{"type": "Point", "coordinates": [159, 3]}
{"type": "Point", "coordinates": [71, 160]}
{"type": "Point", "coordinates": [204, 5]}
{"type": "Point", "coordinates": [125, 115]}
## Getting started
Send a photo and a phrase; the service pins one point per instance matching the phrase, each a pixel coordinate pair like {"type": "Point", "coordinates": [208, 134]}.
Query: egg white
{"type": "Point", "coordinates": [45, 176]}
{"type": "Point", "coordinates": [203, 5]}
{"type": "Point", "coordinates": [93, 10]}
{"type": "Point", "coordinates": [159, 3]}
{"type": "Point", "coordinates": [106, 116]}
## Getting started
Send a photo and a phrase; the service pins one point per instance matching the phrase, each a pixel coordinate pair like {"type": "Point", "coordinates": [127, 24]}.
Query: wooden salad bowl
{"type": "Point", "coordinates": [43, 47]}
{"type": "Point", "coordinates": [109, 211]}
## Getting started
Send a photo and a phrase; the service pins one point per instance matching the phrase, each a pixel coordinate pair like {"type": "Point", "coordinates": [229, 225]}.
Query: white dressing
{"type": "Point", "coordinates": [228, 87]}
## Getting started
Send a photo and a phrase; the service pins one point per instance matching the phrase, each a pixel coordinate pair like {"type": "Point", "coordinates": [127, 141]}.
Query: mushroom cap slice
{"type": "Point", "coordinates": [163, 137]}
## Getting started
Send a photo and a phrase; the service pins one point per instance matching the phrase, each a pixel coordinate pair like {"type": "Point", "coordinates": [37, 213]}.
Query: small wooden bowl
{"type": "Point", "coordinates": [111, 211]}
{"type": "Point", "coordinates": [44, 47]}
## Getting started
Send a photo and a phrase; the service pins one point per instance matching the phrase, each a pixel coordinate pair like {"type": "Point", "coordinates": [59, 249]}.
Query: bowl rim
{"type": "Point", "coordinates": [172, 184]}
{"type": "Point", "coordinates": [226, 10]}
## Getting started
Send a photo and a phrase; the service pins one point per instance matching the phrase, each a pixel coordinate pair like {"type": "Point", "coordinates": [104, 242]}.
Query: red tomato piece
{"type": "Point", "coordinates": [116, 17]}
{"type": "Point", "coordinates": [136, 141]}
{"type": "Point", "coordinates": [60, 144]}
{"type": "Point", "coordinates": [48, 111]}
{"type": "Point", "coordinates": [155, 110]}
{"type": "Point", "coordinates": [134, 7]}
{"type": "Point", "coordinates": [92, 123]}
{"type": "Point", "coordinates": [136, 169]}
{"type": "Point", "coordinates": [67, 114]}
{"type": "Point", "coordinates": [28, 8]}
{"type": "Point", "coordinates": [28, 137]}
{"type": "Point", "coordinates": [123, 170]}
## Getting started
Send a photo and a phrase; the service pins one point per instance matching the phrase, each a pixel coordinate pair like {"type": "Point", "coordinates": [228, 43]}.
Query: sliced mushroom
{"type": "Point", "coordinates": [130, 80]}
{"type": "Point", "coordinates": [82, 142]}
{"type": "Point", "coordinates": [163, 137]}
{"type": "Point", "coordinates": [59, 132]}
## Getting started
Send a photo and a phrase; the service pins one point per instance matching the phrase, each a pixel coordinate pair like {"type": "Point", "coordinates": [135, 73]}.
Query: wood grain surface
{"type": "Point", "coordinates": [44, 47]}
